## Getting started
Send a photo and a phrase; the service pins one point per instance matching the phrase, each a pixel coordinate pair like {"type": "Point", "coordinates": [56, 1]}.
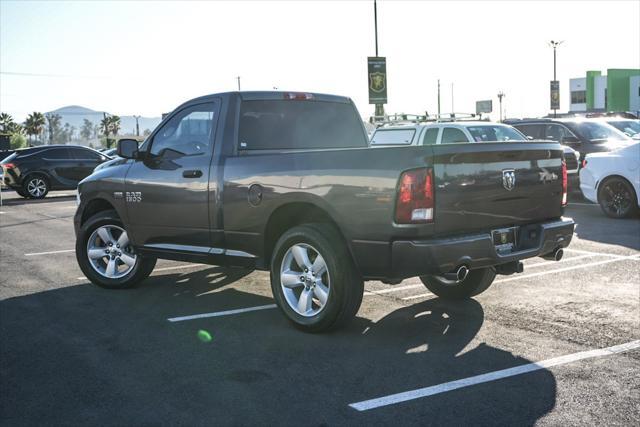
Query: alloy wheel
{"type": "Point", "coordinates": [36, 187]}
{"type": "Point", "coordinates": [616, 198]}
{"type": "Point", "coordinates": [110, 253]}
{"type": "Point", "coordinates": [305, 280]}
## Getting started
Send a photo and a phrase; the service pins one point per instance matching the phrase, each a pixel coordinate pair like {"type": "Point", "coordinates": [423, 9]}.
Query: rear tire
{"type": "Point", "coordinates": [36, 186]}
{"type": "Point", "coordinates": [332, 289]}
{"type": "Point", "coordinates": [23, 194]}
{"type": "Point", "coordinates": [476, 282]}
{"type": "Point", "coordinates": [122, 275]}
{"type": "Point", "coordinates": [617, 198]}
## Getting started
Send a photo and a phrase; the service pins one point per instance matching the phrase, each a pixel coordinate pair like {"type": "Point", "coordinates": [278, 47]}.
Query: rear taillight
{"type": "Point", "coordinates": [584, 163]}
{"type": "Point", "coordinates": [564, 183]}
{"type": "Point", "coordinates": [298, 96]}
{"type": "Point", "coordinates": [415, 197]}
{"type": "Point", "coordinates": [8, 166]}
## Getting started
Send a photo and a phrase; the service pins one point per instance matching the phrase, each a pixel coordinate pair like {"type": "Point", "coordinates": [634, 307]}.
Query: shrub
{"type": "Point", "coordinates": [18, 141]}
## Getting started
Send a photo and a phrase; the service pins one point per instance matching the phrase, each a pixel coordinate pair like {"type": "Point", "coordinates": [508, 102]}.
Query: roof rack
{"type": "Point", "coordinates": [409, 119]}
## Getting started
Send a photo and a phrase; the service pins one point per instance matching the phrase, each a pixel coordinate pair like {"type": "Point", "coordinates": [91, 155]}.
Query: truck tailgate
{"type": "Point", "coordinates": [483, 186]}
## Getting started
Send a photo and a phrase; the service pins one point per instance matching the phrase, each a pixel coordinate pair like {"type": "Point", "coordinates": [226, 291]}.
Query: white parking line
{"type": "Point", "coordinates": [584, 204]}
{"type": "Point", "coordinates": [394, 289]}
{"type": "Point", "coordinates": [575, 267]}
{"type": "Point", "coordinates": [50, 252]}
{"type": "Point", "coordinates": [580, 251]}
{"type": "Point", "coordinates": [428, 294]}
{"type": "Point", "coordinates": [222, 313]}
{"type": "Point", "coordinates": [548, 263]}
{"type": "Point", "coordinates": [491, 376]}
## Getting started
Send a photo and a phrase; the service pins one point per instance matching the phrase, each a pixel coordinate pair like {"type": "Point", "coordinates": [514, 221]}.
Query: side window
{"type": "Point", "coordinates": [453, 135]}
{"type": "Point", "coordinates": [430, 136]}
{"type": "Point", "coordinates": [534, 131]}
{"type": "Point", "coordinates": [393, 137]}
{"type": "Point", "coordinates": [56, 154]}
{"type": "Point", "coordinates": [82, 154]}
{"type": "Point", "coordinates": [557, 132]}
{"type": "Point", "coordinates": [187, 133]}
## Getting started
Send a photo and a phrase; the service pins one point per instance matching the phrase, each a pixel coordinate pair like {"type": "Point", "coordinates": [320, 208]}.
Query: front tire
{"type": "Point", "coordinates": [313, 278]}
{"type": "Point", "coordinates": [105, 255]}
{"type": "Point", "coordinates": [616, 198]}
{"type": "Point", "coordinates": [476, 282]}
{"type": "Point", "coordinates": [36, 187]}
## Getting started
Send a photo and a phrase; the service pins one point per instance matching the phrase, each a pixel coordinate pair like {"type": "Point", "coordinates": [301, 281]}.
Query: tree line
{"type": "Point", "coordinates": [39, 128]}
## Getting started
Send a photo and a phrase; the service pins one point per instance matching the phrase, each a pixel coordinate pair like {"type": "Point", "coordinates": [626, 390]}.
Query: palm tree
{"type": "Point", "coordinates": [15, 128]}
{"type": "Point", "coordinates": [5, 121]}
{"type": "Point", "coordinates": [114, 122]}
{"type": "Point", "coordinates": [54, 125]}
{"type": "Point", "coordinates": [86, 130]}
{"type": "Point", "coordinates": [35, 123]}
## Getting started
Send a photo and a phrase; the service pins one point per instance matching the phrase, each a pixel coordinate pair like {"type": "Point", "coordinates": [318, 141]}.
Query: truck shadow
{"type": "Point", "coordinates": [84, 355]}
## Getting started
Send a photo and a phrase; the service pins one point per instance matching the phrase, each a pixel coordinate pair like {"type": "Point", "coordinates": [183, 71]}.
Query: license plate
{"type": "Point", "coordinates": [504, 239]}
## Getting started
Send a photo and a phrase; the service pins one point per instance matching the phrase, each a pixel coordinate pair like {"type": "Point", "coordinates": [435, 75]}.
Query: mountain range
{"type": "Point", "coordinates": [75, 115]}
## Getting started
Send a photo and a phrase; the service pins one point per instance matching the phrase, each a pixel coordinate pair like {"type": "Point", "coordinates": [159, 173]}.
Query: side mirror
{"type": "Point", "coordinates": [569, 140]}
{"type": "Point", "coordinates": [128, 149]}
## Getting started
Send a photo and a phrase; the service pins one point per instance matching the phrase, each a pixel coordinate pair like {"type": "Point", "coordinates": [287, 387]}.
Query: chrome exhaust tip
{"type": "Point", "coordinates": [462, 273]}
{"type": "Point", "coordinates": [555, 255]}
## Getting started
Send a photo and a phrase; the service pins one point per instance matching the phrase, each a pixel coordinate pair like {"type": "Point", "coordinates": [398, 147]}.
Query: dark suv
{"type": "Point", "coordinates": [32, 172]}
{"type": "Point", "coordinates": [583, 135]}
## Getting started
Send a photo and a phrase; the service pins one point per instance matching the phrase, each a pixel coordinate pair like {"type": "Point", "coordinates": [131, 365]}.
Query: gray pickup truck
{"type": "Point", "coordinates": [286, 182]}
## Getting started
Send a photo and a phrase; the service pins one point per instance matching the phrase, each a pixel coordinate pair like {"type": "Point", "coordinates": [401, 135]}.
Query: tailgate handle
{"type": "Point", "coordinates": [195, 173]}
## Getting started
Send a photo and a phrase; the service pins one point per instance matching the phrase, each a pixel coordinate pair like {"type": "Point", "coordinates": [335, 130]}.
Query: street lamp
{"type": "Point", "coordinates": [501, 95]}
{"type": "Point", "coordinates": [554, 44]}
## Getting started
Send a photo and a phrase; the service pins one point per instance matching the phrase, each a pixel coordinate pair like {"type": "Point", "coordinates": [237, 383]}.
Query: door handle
{"type": "Point", "coordinates": [194, 173]}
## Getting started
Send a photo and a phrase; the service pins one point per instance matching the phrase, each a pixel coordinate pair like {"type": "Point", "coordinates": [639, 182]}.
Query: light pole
{"type": "Point", "coordinates": [554, 44]}
{"type": "Point", "coordinates": [501, 95]}
{"type": "Point", "coordinates": [238, 78]}
{"type": "Point", "coordinates": [137, 125]}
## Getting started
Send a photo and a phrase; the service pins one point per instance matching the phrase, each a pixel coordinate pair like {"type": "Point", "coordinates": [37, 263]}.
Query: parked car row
{"type": "Point", "coordinates": [33, 172]}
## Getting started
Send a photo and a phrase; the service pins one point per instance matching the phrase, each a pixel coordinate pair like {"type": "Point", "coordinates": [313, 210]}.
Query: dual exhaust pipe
{"type": "Point", "coordinates": [462, 271]}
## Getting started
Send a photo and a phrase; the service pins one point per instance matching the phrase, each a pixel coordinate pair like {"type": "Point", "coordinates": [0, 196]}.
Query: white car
{"type": "Point", "coordinates": [460, 132]}
{"type": "Point", "coordinates": [612, 179]}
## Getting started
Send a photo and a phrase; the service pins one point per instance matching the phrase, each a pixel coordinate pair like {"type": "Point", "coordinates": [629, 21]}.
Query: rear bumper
{"type": "Point", "coordinates": [415, 258]}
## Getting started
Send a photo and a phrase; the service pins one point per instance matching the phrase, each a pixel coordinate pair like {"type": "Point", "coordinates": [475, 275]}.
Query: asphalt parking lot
{"type": "Point", "coordinates": [72, 353]}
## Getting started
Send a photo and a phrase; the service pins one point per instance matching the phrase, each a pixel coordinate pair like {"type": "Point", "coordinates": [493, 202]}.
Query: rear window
{"type": "Point", "coordinates": [534, 131]}
{"type": "Point", "coordinates": [393, 137]}
{"type": "Point", "coordinates": [9, 158]}
{"type": "Point", "coordinates": [288, 124]}
{"type": "Point", "coordinates": [487, 133]}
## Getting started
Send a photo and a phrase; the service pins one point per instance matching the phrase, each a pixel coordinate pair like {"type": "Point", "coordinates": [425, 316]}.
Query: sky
{"type": "Point", "coordinates": [148, 57]}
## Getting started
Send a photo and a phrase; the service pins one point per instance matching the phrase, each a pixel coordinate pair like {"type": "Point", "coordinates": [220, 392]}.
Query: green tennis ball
{"type": "Point", "coordinates": [204, 336]}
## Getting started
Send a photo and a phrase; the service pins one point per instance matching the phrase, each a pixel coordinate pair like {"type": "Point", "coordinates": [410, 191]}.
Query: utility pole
{"type": "Point", "coordinates": [453, 110]}
{"type": "Point", "coordinates": [137, 125]}
{"type": "Point", "coordinates": [438, 98]}
{"type": "Point", "coordinates": [500, 96]}
{"type": "Point", "coordinates": [238, 78]}
{"type": "Point", "coordinates": [379, 107]}
{"type": "Point", "coordinates": [554, 45]}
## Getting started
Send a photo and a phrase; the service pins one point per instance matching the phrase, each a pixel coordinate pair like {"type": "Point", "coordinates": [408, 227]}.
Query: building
{"type": "Point", "coordinates": [617, 91]}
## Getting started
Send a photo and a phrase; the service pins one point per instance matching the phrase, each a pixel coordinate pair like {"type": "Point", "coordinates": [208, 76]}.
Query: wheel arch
{"type": "Point", "coordinates": [292, 214]}
{"type": "Point", "coordinates": [95, 206]}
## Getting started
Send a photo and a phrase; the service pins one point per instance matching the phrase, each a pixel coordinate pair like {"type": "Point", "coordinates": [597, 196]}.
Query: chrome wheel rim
{"type": "Point", "coordinates": [110, 253]}
{"type": "Point", "coordinates": [36, 187]}
{"type": "Point", "coordinates": [305, 280]}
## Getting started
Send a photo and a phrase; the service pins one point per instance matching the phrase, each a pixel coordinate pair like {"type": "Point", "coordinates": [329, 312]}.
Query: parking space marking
{"type": "Point", "coordinates": [575, 267]}
{"type": "Point", "coordinates": [222, 313]}
{"type": "Point", "coordinates": [50, 252]}
{"type": "Point", "coordinates": [428, 294]}
{"type": "Point", "coordinates": [394, 289]}
{"type": "Point", "coordinates": [547, 263]}
{"type": "Point", "coordinates": [584, 204]}
{"type": "Point", "coordinates": [580, 251]}
{"type": "Point", "coordinates": [393, 399]}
